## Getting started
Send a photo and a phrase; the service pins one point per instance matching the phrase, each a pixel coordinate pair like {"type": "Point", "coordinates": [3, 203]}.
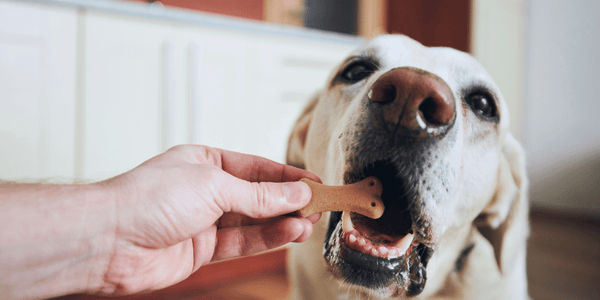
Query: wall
{"type": "Point", "coordinates": [432, 22]}
{"type": "Point", "coordinates": [497, 41]}
{"type": "Point", "coordinates": [561, 125]}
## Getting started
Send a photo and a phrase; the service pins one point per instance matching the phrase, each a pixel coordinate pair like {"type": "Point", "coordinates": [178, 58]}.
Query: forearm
{"type": "Point", "coordinates": [54, 239]}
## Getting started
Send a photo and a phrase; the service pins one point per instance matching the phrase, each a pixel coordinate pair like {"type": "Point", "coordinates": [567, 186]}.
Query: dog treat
{"type": "Point", "coordinates": [363, 197]}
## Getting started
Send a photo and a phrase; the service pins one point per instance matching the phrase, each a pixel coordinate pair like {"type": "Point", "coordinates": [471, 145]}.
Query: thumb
{"type": "Point", "coordinates": [266, 199]}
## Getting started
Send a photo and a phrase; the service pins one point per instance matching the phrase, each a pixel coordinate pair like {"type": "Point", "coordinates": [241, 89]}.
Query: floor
{"type": "Point", "coordinates": [563, 257]}
{"type": "Point", "coordinates": [563, 263]}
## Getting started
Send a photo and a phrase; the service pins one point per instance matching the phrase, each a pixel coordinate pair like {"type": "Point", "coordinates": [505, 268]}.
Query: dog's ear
{"type": "Point", "coordinates": [504, 221]}
{"type": "Point", "coordinates": [297, 140]}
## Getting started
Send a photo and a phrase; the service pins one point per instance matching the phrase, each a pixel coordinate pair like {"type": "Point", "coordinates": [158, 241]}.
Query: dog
{"type": "Point", "coordinates": [432, 126]}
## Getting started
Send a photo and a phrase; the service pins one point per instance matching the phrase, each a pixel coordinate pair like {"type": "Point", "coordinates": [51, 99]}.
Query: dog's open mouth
{"type": "Point", "coordinates": [385, 255]}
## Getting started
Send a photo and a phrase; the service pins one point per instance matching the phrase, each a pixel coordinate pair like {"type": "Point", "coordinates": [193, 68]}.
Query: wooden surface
{"type": "Point", "coordinates": [563, 256]}
{"type": "Point", "coordinates": [563, 263]}
{"type": "Point", "coordinates": [248, 9]}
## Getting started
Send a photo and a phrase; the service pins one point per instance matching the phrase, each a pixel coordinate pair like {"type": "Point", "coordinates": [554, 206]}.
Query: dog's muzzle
{"type": "Point", "coordinates": [407, 110]}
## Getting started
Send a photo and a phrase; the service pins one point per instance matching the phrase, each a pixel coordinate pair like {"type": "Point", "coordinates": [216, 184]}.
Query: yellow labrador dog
{"type": "Point", "coordinates": [432, 125]}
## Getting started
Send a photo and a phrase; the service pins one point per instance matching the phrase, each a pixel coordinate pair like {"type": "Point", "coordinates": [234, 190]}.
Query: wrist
{"type": "Point", "coordinates": [57, 239]}
{"type": "Point", "coordinates": [91, 214]}
{"type": "Point", "coordinates": [100, 236]}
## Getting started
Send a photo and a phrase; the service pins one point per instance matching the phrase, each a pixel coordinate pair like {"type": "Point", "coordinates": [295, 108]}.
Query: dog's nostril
{"type": "Point", "coordinates": [384, 94]}
{"type": "Point", "coordinates": [428, 107]}
{"type": "Point", "coordinates": [373, 204]}
{"type": "Point", "coordinates": [435, 112]}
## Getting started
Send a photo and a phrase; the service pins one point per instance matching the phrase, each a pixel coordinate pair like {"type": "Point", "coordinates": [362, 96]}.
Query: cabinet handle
{"type": "Point", "coordinates": [169, 113]}
{"type": "Point", "coordinates": [308, 63]}
{"type": "Point", "coordinates": [194, 101]}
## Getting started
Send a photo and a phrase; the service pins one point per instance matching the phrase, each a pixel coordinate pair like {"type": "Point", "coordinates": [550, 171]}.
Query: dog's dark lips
{"type": "Point", "coordinates": [403, 275]}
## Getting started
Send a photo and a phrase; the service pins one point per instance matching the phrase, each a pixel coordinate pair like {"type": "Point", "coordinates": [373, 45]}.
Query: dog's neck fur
{"type": "Point", "coordinates": [475, 275]}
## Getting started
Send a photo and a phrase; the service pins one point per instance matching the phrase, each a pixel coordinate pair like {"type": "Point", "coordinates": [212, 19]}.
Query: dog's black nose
{"type": "Point", "coordinates": [421, 103]}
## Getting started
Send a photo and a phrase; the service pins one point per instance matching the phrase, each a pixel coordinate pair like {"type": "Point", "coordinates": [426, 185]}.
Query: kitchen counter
{"type": "Point", "coordinates": [170, 14]}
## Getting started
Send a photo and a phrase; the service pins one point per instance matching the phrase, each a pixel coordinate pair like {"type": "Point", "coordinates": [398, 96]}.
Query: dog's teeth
{"type": "Point", "coordinates": [352, 238]}
{"type": "Point", "coordinates": [347, 222]}
{"type": "Point", "coordinates": [360, 243]}
{"type": "Point", "coordinates": [405, 243]}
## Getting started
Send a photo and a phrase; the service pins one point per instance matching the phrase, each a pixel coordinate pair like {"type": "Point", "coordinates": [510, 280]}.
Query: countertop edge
{"type": "Point", "coordinates": [183, 16]}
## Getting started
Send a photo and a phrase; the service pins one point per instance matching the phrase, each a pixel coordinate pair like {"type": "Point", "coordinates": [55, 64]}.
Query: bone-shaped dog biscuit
{"type": "Point", "coordinates": [363, 197]}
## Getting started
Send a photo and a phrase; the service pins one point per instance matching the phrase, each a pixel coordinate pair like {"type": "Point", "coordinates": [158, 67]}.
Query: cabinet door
{"type": "Point", "coordinates": [285, 75]}
{"type": "Point", "coordinates": [37, 92]}
{"type": "Point", "coordinates": [122, 117]}
{"type": "Point", "coordinates": [248, 89]}
{"type": "Point", "coordinates": [218, 89]}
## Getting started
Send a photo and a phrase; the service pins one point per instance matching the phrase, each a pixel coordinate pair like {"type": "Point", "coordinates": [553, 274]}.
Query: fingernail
{"type": "Point", "coordinates": [297, 192]}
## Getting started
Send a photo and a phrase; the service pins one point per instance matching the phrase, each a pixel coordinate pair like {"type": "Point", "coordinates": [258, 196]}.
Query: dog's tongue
{"type": "Point", "coordinates": [360, 238]}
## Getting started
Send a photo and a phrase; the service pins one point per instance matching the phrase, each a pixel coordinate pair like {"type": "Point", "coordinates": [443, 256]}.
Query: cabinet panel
{"type": "Point", "coordinates": [19, 19]}
{"type": "Point", "coordinates": [247, 90]}
{"type": "Point", "coordinates": [296, 64]}
{"type": "Point", "coordinates": [219, 82]}
{"type": "Point", "coordinates": [20, 114]}
{"type": "Point", "coordinates": [37, 92]}
{"type": "Point", "coordinates": [122, 105]}
{"type": "Point", "coordinates": [59, 73]}
{"type": "Point", "coordinates": [285, 74]}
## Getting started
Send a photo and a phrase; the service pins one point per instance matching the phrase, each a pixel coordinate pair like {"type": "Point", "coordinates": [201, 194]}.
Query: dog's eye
{"type": "Point", "coordinates": [357, 71]}
{"type": "Point", "coordinates": [483, 105]}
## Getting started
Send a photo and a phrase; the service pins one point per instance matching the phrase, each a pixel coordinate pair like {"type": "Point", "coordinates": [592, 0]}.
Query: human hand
{"type": "Point", "coordinates": [194, 204]}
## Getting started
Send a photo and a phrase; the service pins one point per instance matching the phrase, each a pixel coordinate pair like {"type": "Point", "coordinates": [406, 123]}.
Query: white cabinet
{"type": "Point", "coordinates": [218, 85]}
{"type": "Point", "coordinates": [37, 92]}
{"type": "Point", "coordinates": [250, 89]}
{"type": "Point", "coordinates": [122, 93]}
{"type": "Point", "coordinates": [285, 74]}
{"type": "Point", "coordinates": [91, 94]}
{"type": "Point", "coordinates": [151, 85]}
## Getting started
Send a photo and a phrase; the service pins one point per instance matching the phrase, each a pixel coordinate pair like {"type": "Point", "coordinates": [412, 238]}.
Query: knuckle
{"type": "Point", "coordinates": [261, 199]}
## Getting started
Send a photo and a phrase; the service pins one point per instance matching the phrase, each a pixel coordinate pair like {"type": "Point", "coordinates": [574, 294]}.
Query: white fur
{"type": "Point", "coordinates": [479, 206]}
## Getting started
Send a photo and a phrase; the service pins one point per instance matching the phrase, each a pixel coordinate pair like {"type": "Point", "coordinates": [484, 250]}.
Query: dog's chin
{"type": "Point", "coordinates": [360, 261]}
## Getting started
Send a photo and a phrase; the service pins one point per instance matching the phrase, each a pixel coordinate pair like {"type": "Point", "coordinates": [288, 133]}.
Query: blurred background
{"type": "Point", "coordinates": [90, 89]}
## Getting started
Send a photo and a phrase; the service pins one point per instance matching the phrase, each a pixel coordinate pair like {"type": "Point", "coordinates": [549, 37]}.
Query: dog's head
{"type": "Point", "coordinates": [432, 125]}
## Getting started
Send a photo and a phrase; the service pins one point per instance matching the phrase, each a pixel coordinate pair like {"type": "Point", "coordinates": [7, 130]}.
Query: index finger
{"type": "Point", "coordinates": [259, 169]}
